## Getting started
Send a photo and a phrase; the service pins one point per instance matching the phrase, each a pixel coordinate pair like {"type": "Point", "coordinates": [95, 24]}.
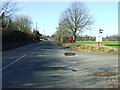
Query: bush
{"type": "Point", "coordinates": [65, 39]}
{"type": "Point", "coordinates": [85, 38]}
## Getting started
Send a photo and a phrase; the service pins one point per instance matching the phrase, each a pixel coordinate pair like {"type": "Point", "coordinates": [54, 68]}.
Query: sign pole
{"type": "Point", "coordinates": [99, 41]}
{"type": "Point", "coordinates": [98, 44]}
{"type": "Point", "coordinates": [99, 38]}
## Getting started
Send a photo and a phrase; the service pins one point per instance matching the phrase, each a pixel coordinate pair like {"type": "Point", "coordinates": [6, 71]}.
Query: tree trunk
{"type": "Point", "coordinates": [74, 40]}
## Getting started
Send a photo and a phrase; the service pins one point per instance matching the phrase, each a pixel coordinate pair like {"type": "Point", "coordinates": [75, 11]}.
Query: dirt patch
{"type": "Point", "coordinates": [105, 73]}
{"type": "Point", "coordinates": [114, 82]}
{"type": "Point", "coordinates": [114, 85]}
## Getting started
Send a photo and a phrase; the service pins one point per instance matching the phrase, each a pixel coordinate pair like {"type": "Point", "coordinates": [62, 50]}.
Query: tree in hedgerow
{"type": "Point", "coordinates": [37, 35]}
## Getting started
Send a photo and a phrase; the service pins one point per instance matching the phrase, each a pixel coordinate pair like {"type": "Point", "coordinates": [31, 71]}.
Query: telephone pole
{"type": "Point", "coordinates": [36, 25]}
{"type": "Point", "coordinates": [44, 32]}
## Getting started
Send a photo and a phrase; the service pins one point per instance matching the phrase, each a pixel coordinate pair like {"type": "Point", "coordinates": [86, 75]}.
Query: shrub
{"type": "Point", "coordinates": [13, 36]}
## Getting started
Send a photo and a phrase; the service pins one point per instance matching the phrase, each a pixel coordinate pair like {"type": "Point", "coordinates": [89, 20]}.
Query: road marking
{"type": "Point", "coordinates": [12, 63]}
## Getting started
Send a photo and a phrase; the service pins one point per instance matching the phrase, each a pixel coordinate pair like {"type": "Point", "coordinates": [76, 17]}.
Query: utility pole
{"type": "Point", "coordinates": [44, 32]}
{"type": "Point", "coordinates": [36, 25]}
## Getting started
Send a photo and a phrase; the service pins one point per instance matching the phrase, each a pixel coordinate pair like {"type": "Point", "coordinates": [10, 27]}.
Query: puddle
{"type": "Point", "coordinates": [69, 54]}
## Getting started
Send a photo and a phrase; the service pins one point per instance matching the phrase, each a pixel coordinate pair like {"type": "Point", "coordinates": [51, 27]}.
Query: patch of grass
{"type": "Point", "coordinates": [86, 42]}
{"type": "Point", "coordinates": [113, 44]}
{"type": "Point", "coordinates": [92, 48]}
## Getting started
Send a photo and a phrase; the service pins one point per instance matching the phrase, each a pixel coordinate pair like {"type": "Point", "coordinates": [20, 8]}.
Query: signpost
{"type": "Point", "coordinates": [99, 38]}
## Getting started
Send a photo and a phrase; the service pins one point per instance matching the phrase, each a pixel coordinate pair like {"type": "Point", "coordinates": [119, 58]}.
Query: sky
{"type": "Point", "coordinates": [47, 15]}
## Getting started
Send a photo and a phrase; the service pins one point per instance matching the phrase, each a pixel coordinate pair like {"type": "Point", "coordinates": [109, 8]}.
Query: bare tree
{"type": "Point", "coordinates": [62, 30]}
{"type": "Point", "coordinates": [7, 10]}
{"type": "Point", "coordinates": [76, 19]}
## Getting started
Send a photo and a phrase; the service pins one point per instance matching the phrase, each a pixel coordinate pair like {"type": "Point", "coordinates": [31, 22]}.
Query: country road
{"type": "Point", "coordinates": [44, 65]}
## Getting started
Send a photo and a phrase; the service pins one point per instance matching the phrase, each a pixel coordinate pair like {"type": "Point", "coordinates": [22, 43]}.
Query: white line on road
{"type": "Point", "coordinates": [12, 62]}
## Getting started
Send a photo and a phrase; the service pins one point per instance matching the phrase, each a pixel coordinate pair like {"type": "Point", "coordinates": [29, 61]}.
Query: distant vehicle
{"type": "Point", "coordinates": [41, 39]}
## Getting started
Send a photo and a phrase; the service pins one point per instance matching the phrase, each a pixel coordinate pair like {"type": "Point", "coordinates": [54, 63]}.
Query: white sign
{"type": "Point", "coordinates": [98, 39]}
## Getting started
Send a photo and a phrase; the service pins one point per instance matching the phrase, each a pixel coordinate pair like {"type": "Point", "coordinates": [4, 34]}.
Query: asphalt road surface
{"type": "Point", "coordinates": [44, 65]}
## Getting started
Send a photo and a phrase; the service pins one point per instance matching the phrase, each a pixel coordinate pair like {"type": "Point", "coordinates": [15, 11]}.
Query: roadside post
{"type": "Point", "coordinates": [99, 37]}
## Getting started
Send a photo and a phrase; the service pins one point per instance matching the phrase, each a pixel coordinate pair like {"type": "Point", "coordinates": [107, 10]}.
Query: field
{"type": "Point", "coordinates": [113, 44]}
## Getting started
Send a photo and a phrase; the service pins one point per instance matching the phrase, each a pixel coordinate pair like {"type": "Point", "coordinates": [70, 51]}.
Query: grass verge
{"type": "Point", "coordinates": [92, 48]}
{"type": "Point", "coordinates": [114, 44]}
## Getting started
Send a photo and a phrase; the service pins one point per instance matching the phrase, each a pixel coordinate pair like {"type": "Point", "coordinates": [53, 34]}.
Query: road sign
{"type": "Point", "coordinates": [98, 39]}
{"type": "Point", "coordinates": [100, 31]}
